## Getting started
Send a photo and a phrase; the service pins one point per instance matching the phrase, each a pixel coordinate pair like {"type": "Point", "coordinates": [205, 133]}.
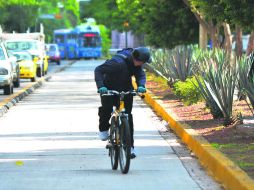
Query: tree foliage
{"type": "Point", "coordinates": [169, 23]}
{"type": "Point", "coordinates": [108, 15]}
{"type": "Point", "coordinates": [240, 12]}
{"type": "Point", "coordinates": [19, 15]}
{"type": "Point", "coordinates": [68, 15]}
{"type": "Point", "coordinates": [165, 23]}
{"type": "Point", "coordinates": [232, 14]}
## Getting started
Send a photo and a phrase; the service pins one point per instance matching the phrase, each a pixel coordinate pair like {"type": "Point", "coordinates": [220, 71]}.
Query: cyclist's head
{"type": "Point", "coordinates": [142, 54]}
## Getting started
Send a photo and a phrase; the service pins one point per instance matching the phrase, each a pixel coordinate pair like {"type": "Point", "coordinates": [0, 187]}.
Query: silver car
{"type": "Point", "coordinates": [6, 71]}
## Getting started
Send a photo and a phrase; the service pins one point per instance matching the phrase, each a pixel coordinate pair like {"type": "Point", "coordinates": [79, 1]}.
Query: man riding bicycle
{"type": "Point", "coordinates": [116, 74]}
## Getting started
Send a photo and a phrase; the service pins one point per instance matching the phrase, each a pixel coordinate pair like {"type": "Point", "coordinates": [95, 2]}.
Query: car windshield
{"type": "Point", "coordinates": [52, 48]}
{"type": "Point", "coordinates": [17, 46]}
{"type": "Point", "coordinates": [23, 56]}
{"type": "Point", "coordinates": [2, 57]}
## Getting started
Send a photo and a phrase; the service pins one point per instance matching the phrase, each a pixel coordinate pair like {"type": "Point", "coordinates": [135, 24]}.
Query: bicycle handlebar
{"type": "Point", "coordinates": [114, 92]}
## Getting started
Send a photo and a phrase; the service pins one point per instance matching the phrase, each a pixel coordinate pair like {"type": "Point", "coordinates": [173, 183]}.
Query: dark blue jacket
{"type": "Point", "coordinates": [116, 73]}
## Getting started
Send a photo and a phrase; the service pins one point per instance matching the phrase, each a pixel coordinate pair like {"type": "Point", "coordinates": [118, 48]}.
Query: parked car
{"type": "Point", "coordinates": [6, 71]}
{"type": "Point", "coordinates": [27, 65]}
{"type": "Point", "coordinates": [35, 47]}
{"type": "Point", "coordinates": [16, 70]}
{"type": "Point", "coordinates": [53, 53]}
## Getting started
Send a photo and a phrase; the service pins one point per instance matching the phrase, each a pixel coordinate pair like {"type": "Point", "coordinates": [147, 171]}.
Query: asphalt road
{"type": "Point", "coordinates": [24, 82]}
{"type": "Point", "coordinates": [50, 141]}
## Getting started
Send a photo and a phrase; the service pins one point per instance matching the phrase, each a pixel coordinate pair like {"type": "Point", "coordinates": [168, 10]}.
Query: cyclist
{"type": "Point", "coordinates": [116, 74]}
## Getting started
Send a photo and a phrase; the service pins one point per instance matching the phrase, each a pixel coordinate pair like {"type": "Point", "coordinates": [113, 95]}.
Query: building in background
{"type": "Point", "coordinates": [119, 40]}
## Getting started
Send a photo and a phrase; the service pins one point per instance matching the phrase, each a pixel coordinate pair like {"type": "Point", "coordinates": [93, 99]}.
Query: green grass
{"type": "Point", "coordinates": [240, 154]}
{"type": "Point", "coordinates": [221, 146]}
{"type": "Point", "coordinates": [243, 164]}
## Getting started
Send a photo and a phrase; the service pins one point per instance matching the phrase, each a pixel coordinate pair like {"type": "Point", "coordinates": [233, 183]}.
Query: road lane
{"type": "Point", "coordinates": [51, 142]}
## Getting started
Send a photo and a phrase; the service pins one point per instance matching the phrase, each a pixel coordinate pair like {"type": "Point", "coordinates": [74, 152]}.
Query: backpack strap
{"type": "Point", "coordinates": [122, 56]}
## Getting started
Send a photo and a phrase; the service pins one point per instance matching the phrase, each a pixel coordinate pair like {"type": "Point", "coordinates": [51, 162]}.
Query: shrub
{"type": "Point", "coordinates": [187, 91]}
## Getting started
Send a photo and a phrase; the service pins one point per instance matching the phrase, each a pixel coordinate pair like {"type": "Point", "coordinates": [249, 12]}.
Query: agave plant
{"type": "Point", "coordinates": [246, 77]}
{"type": "Point", "coordinates": [219, 74]}
{"type": "Point", "coordinates": [208, 97]}
{"type": "Point", "coordinates": [174, 64]}
{"type": "Point", "coordinates": [180, 63]}
{"type": "Point", "coordinates": [159, 64]}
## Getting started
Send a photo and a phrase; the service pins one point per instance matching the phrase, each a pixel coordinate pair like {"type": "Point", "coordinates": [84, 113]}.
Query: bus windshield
{"type": "Point", "coordinates": [89, 40]}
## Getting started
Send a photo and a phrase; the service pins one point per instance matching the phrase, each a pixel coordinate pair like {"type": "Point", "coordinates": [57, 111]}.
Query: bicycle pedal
{"type": "Point", "coordinates": [109, 145]}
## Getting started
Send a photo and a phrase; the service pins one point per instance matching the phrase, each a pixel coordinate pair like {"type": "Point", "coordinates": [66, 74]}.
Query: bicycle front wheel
{"type": "Point", "coordinates": [113, 150]}
{"type": "Point", "coordinates": [125, 145]}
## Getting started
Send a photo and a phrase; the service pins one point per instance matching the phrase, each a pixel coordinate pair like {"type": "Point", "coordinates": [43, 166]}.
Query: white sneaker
{"type": "Point", "coordinates": [133, 153]}
{"type": "Point", "coordinates": [103, 135]}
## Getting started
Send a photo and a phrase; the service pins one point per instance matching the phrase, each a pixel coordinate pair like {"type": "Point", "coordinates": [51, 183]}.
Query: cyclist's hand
{"type": "Point", "coordinates": [141, 89]}
{"type": "Point", "coordinates": [103, 90]}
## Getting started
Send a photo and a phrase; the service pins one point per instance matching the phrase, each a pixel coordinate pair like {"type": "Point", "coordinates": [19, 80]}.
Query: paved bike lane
{"type": "Point", "coordinates": [51, 142]}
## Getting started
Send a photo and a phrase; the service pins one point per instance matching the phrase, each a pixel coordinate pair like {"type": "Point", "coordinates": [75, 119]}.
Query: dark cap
{"type": "Point", "coordinates": [142, 54]}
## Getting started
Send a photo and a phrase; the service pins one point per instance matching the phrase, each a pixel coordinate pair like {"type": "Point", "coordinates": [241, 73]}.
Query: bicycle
{"type": "Point", "coordinates": [119, 142]}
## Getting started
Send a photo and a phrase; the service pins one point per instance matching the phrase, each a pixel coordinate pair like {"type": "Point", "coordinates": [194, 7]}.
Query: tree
{"type": "Point", "coordinates": [147, 17]}
{"type": "Point", "coordinates": [108, 15]}
{"type": "Point", "coordinates": [240, 13]}
{"type": "Point", "coordinates": [18, 14]}
{"type": "Point", "coordinates": [236, 14]}
{"type": "Point", "coordinates": [66, 15]}
{"type": "Point", "coordinates": [210, 15]}
{"type": "Point", "coordinates": [165, 23]}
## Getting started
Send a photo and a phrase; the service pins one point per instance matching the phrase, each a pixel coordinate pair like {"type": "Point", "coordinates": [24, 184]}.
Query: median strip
{"type": "Point", "coordinates": [218, 165]}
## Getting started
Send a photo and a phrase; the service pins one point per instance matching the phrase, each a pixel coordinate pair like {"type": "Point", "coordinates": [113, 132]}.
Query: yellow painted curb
{"type": "Point", "coordinates": [218, 165]}
{"type": "Point", "coordinates": [11, 97]}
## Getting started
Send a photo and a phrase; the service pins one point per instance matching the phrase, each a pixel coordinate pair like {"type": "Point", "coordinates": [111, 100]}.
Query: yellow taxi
{"type": "Point", "coordinates": [27, 65]}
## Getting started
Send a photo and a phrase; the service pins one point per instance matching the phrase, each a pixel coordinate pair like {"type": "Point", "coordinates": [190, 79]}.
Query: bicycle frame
{"type": "Point", "coordinates": [119, 141]}
{"type": "Point", "coordinates": [119, 111]}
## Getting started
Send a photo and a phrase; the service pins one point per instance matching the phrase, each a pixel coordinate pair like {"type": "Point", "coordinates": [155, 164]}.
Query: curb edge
{"type": "Point", "coordinates": [217, 164]}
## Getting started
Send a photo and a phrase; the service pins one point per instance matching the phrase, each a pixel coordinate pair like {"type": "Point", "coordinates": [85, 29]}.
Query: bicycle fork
{"type": "Point", "coordinates": [109, 144]}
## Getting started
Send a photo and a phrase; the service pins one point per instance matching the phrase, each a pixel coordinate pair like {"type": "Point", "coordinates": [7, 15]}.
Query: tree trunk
{"type": "Point", "coordinates": [198, 16]}
{"type": "Point", "coordinates": [238, 42]}
{"type": "Point", "coordinates": [208, 26]}
{"type": "Point", "coordinates": [228, 37]}
{"type": "Point", "coordinates": [250, 47]}
{"type": "Point", "coordinates": [214, 36]}
{"type": "Point", "coordinates": [202, 37]}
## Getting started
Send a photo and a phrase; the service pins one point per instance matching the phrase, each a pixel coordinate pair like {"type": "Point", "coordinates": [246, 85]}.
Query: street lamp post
{"type": "Point", "coordinates": [126, 25]}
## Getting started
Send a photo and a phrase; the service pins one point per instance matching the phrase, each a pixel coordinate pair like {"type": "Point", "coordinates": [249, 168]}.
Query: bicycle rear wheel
{"type": "Point", "coordinates": [113, 150]}
{"type": "Point", "coordinates": [125, 146]}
